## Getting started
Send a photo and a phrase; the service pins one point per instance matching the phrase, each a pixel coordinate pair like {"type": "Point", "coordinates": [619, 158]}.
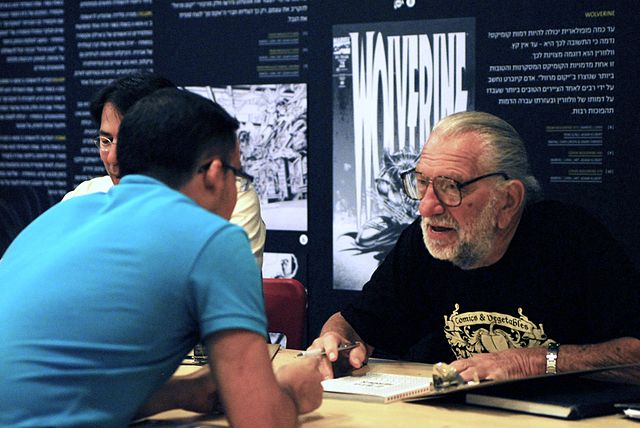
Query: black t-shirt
{"type": "Point", "coordinates": [563, 278]}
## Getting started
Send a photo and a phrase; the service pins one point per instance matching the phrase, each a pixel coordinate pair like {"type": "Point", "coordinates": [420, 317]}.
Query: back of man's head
{"type": "Point", "coordinates": [124, 92]}
{"type": "Point", "coordinates": [166, 134]}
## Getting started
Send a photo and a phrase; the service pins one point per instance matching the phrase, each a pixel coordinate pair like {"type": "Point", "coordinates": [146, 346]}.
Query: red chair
{"type": "Point", "coordinates": [286, 306]}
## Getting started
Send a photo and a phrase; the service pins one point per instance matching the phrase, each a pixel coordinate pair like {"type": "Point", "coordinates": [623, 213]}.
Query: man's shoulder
{"type": "Point", "coordinates": [247, 209]}
{"type": "Point", "coordinates": [561, 227]}
{"type": "Point", "coordinates": [560, 213]}
{"type": "Point", "coordinates": [185, 212]}
{"type": "Point", "coordinates": [159, 209]}
{"type": "Point", "coordinates": [94, 185]}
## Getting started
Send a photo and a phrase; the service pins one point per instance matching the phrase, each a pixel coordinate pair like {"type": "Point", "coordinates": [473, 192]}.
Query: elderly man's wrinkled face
{"type": "Point", "coordinates": [464, 234]}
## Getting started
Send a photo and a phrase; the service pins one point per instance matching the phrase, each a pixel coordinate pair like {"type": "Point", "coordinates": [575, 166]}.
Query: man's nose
{"type": "Point", "coordinates": [112, 155]}
{"type": "Point", "coordinates": [430, 205]}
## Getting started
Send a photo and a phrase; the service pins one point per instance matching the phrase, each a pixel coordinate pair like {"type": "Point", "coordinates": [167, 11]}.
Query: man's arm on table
{"type": "Point", "coordinates": [335, 332]}
{"type": "Point", "coordinates": [195, 392]}
{"type": "Point", "coordinates": [252, 394]}
{"type": "Point", "coordinates": [515, 363]}
{"type": "Point", "coordinates": [508, 364]}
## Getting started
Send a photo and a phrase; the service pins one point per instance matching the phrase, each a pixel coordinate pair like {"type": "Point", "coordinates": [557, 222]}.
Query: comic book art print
{"type": "Point", "coordinates": [273, 145]}
{"type": "Point", "coordinates": [391, 83]}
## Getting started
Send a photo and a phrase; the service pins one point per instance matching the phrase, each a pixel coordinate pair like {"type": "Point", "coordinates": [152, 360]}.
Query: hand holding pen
{"type": "Point", "coordinates": [340, 356]}
{"type": "Point", "coordinates": [319, 352]}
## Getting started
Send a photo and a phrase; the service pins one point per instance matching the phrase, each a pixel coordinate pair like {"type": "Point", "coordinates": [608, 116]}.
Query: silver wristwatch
{"type": "Point", "coordinates": [552, 358]}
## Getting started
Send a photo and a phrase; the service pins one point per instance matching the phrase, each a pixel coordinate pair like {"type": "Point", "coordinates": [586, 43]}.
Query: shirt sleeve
{"type": "Point", "coordinates": [227, 285]}
{"type": "Point", "coordinates": [95, 185]}
{"type": "Point", "coordinates": [246, 214]}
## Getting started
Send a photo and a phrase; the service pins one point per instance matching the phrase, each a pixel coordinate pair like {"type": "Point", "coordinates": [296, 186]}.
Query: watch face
{"type": "Point", "coordinates": [551, 357]}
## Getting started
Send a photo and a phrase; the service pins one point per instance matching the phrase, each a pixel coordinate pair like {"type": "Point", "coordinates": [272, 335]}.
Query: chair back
{"type": "Point", "coordinates": [286, 306]}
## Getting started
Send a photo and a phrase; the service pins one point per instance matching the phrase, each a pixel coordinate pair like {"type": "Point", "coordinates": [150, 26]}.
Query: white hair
{"type": "Point", "coordinates": [504, 148]}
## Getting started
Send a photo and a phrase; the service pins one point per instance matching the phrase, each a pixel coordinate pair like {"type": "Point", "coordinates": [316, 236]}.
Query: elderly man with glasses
{"type": "Point", "coordinates": [491, 275]}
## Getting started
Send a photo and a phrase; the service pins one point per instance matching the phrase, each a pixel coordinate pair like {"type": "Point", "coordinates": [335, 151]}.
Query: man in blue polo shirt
{"type": "Point", "coordinates": [103, 295]}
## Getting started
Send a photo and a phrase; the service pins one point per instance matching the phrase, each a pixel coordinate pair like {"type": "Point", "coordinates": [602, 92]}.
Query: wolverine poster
{"type": "Point", "coordinates": [391, 83]}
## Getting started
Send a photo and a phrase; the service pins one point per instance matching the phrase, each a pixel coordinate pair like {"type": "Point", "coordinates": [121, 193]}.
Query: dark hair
{"type": "Point", "coordinates": [166, 134]}
{"type": "Point", "coordinates": [124, 92]}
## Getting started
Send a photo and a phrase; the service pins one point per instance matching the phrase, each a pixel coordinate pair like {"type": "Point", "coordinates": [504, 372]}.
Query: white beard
{"type": "Point", "coordinates": [475, 242]}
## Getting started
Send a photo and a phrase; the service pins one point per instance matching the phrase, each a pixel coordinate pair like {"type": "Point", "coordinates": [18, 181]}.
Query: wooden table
{"type": "Point", "coordinates": [336, 413]}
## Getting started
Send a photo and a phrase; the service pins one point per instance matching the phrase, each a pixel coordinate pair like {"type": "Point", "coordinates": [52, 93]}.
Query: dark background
{"type": "Point", "coordinates": [225, 51]}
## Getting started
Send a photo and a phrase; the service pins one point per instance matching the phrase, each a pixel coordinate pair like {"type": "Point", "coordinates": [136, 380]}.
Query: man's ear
{"type": "Point", "coordinates": [214, 176]}
{"type": "Point", "coordinates": [206, 187]}
{"type": "Point", "coordinates": [510, 203]}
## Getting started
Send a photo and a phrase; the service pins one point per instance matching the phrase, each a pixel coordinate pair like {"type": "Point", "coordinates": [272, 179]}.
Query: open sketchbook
{"type": "Point", "coordinates": [379, 387]}
{"type": "Point", "coordinates": [596, 399]}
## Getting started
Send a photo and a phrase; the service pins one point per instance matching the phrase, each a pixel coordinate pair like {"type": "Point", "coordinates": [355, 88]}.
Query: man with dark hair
{"type": "Point", "coordinates": [104, 295]}
{"type": "Point", "coordinates": [507, 284]}
{"type": "Point", "coordinates": [107, 108]}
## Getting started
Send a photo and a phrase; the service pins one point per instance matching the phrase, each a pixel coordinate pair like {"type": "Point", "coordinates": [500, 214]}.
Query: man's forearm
{"type": "Point", "coordinates": [162, 400]}
{"type": "Point", "coordinates": [515, 363]}
{"type": "Point", "coordinates": [195, 392]}
{"type": "Point", "coordinates": [624, 350]}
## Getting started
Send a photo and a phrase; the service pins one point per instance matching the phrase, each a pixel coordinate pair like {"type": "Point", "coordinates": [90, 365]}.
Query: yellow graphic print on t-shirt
{"type": "Point", "coordinates": [471, 333]}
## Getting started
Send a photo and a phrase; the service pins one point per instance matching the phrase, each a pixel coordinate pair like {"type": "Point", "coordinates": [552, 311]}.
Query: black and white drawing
{"type": "Point", "coordinates": [273, 146]}
{"type": "Point", "coordinates": [280, 265]}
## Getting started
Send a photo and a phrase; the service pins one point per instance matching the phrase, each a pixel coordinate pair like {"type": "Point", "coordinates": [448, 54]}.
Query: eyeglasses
{"type": "Point", "coordinates": [447, 190]}
{"type": "Point", "coordinates": [243, 179]}
{"type": "Point", "coordinates": [104, 143]}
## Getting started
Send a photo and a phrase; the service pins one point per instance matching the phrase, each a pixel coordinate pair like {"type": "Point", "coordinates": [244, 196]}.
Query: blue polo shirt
{"type": "Point", "coordinates": [103, 295]}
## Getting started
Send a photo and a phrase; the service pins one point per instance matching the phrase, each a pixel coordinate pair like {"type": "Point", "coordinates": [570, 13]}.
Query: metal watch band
{"type": "Point", "coordinates": [552, 358]}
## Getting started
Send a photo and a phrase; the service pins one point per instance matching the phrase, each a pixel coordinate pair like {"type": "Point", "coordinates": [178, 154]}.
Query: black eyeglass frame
{"type": "Point", "coordinates": [459, 186]}
{"type": "Point", "coordinates": [245, 178]}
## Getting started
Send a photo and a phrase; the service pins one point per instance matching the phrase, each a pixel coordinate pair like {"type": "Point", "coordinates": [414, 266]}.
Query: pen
{"type": "Point", "coordinates": [321, 352]}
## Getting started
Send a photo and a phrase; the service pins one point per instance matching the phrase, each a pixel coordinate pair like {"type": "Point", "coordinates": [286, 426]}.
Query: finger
{"type": "Point", "coordinates": [330, 345]}
{"type": "Point", "coordinates": [316, 344]}
{"type": "Point", "coordinates": [496, 374]}
{"type": "Point", "coordinates": [317, 375]}
{"type": "Point", "coordinates": [460, 365]}
{"type": "Point", "coordinates": [313, 363]}
{"type": "Point", "coordinates": [357, 356]}
{"type": "Point", "coordinates": [325, 367]}
{"type": "Point", "coordinates": [470, 374]}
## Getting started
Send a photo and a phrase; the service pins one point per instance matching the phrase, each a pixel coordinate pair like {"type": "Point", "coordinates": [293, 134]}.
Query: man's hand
{"type": "Point", "coordinates": [508, 364]}
{"type": "Point", "coordinates": [195, 392]}
{"type": "Point", "coordinates": [301, 380]}
{"type": "Point", "coordinates": [330, 342]}
{"type": "Point", "coordinates": [198, 392]}
{"type": "Point", "coordinates": [253, 395]}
